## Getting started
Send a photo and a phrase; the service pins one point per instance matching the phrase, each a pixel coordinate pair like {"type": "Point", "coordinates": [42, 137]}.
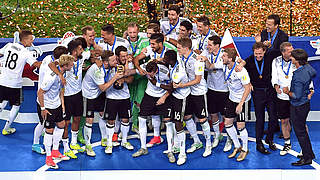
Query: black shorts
{"type": "Point", "coordinates": [197, 105]}
{"type": "Point", "coordinates": [55, 117]}
{"type": "Point", "coordinates": [178, 107]}
{"type": "Point", "coordinates": [13, 95]}
{"type": "Point", "coordinates": [231, 111]}
{"type": "Point", "coordinates": [74, 105]}
{"type": "Point", "coordinates": [120, 107]}
{"type": "Point", "coordinates": [94, 105]}
{"type": "Point", "coordinates": [283, 108]}
{"type": "Point", "coordinates": [148, 107]}
{"type": "Point", "coordinates": [217, 101]}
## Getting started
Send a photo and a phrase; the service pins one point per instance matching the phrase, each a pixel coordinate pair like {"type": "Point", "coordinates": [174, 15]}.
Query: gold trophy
{"type": "Point", "coordinates": [119, 83]}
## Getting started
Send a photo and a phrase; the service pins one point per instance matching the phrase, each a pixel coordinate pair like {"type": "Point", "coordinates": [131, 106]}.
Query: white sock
{"type": "Point", "coordinates": [87, 130]}
{"type": "Point", "coordinates": [169, 134]}
{"type": "Point", "coordinates": [12, 116]}
{"type": "Point", "coordinates": [233, 135]}
{"type": "Point", "coordinates": [57, 136]}
{"type": "Point", "coordinates": [216, 130]}
{"type": "Point", "coordinates": [244, 139]}
{"type": "Point", "coordinates": [124, 131]}
{"type": "Point", "coordinates": [191, 126]}
{"type": "Point", "coordinates": [206, 132]}
{"type": "Point", "coordinates": [156, 121]}
{"type": "Point", "coordinates": [47, 141]}
{"type": "Point", "coordinates": [110, 131]}
{"type": "Point", "coordinates": [182, 142]}
{"type": "Point", "coordinates": [143, 131]}
{"type": "Point", "coordinates": [287, 141]}
{"type": "Point", "coordinates": [103, 129]}
{"type": "Point", "coordinates": [3, 105]}
{"type": "Point", "coordinates": [37, 133]}
{"type": "Point", "coordinates": [117, 125]}
{"type": "Point", "coordinates": [175, 136]}
{"type": "Point", "coordinates": [74, 136]}
{"type": "Point", "coordinates": [65, 143]}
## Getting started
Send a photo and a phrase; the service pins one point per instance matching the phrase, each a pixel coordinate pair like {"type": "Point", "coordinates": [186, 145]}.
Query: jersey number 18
{"type": "Point", "coordinates": [11, 62]}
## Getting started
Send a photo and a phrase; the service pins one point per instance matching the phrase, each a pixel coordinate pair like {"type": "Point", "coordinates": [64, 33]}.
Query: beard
{"type": "Point", "coordinates": [80, 56]}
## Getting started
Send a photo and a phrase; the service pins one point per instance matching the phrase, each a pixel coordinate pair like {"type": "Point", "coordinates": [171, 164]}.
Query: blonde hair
{"type": "Point", "coordinates": [65, 59]}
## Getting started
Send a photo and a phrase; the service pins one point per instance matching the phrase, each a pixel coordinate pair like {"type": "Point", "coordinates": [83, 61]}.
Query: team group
{"type": "Point", "coordinates": [176, 73]}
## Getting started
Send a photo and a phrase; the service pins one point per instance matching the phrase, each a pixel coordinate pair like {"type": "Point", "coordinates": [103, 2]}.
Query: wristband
{"type": "Point", "coordinates": [158, 84]}
{"type": "Point", "coordinates": [43, 108]}
{"type": "Point", "coordinates": [168, 39]}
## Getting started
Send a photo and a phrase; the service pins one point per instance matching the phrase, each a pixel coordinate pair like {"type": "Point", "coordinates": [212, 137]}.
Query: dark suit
{"type": "Point", "coordinates": [280, 38]}
{"type": "Point", "coordinates": [263, 95]}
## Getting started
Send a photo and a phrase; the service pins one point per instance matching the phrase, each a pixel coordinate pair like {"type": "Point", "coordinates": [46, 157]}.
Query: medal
{"type": "Point", "coordinates": [214, 71]}
{"type": "Point", "coordinates": [77, 77]}
{"type": "Point", "coordinates": [286, 72]}
{"type": "Point", "coordinates": [260, 70]}
{"type": "Point", "coordinates": [224, 73]}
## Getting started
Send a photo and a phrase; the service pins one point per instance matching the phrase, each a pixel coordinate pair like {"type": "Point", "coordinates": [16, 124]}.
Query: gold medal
{"type": "Point", "coordinates": [260, 76]}
{"type": "Point", "coordinates": [225, 82]}
{"type": "Point", "coordinates": [287, 76]}
{"type": "Point", "coordinates": [214, 71]}
{"type": "Point", "coordinates": [77, 77]}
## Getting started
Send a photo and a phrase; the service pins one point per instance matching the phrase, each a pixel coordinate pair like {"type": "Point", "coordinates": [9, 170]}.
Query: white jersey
{"type": "Point", "coordinates": [118, 42]}
{"type": "Point", "coordinates": [52, 85]}
{"type": "Point", "coordinates": [155, 55]}
{"type": "Point", "coordinates": [194, 67]}
{"type": "Point", "coordinates": [74, 76]}
{"type": "Point", "coordinates": [178, 74]}
{"type": "Point", "coordinates": [236, 83]}
{"type": "Point", "coordinates": [279, 69]}
{"type": "Point", "coordinates": [118, 94]}
{"type": "Point", "coordinates": [202, 40]}
{"type": "Point", "coordinates": [44, 68]}
{"type": "Point", "coordinates": [15, 56]}
{"type": "Point", "coordinates": [172, 31]}
{"type": "Point", "coordinates": [91, 81]}
{"type": "Point", "coordinates": [215, 78]}
{"type": "Point", "coordinates": [162, 77]}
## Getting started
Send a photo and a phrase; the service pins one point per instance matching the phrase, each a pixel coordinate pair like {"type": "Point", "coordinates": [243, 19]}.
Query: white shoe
{"type": "Point", "coordinates": [215, 142]}
{"type": "Point", "coordinates": [181, 159]}
{"type": "Point", "coordinates": [207, 152]}
{"type": "Point", "coordinates": [90, 151]}
{"type": "Point", "coordinates": [227, 146]}
{"type": "Point", "coordinates": [108, 150]}
{"type": "Point", "coordinates": [127, 145]}
{"type": "Point", "coordinates": [115, 144]}
{"type": "Point", "coordinates": [166, 151]}
{"type": "Point", "coordinates": [194, 147]}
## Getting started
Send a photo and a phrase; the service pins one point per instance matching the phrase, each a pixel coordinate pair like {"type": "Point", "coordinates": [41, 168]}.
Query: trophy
{"type": "Point", "coordinates": [316, 44]}
{"type": "Point", "coordinates": [119, 83]}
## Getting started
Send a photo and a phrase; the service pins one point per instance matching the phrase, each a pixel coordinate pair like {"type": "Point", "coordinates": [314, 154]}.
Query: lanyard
{"type": "Point", "coordinates": [216, 57]}
{"type": "Point", "coordinates": [134, 49]}
{"type": "Point", "coordinates": [158, 73]}
{"type": "Point", "coordinates": [172, 28]}
{"type": "Point", "coordinates": [286, 73]}
{"type": "Point", "coordinates": [273, 37]}
{"type": "Point", "coordinates": [155, 53]}
{"type": "Point", "coordinates": [52, 58]}
{"type": "Point", "coordinates": [229, 72]}
{"type": "Point", "coordinates": [114, 42]}
{"type": "Point", "coordinates": [76, 70]}
{"type": "Point", "coordinates": [64, 74]}
{"type": "Point", "coordinates": [185, 63]}
{"type": "Point", "coordinates": [260, 71]}
{"type": "Point", "coordinates": [201, 43]}
{"type": "Point", "coordinates": [106, 73]}
{"type": "Point", "coordinates": [171, 74]}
